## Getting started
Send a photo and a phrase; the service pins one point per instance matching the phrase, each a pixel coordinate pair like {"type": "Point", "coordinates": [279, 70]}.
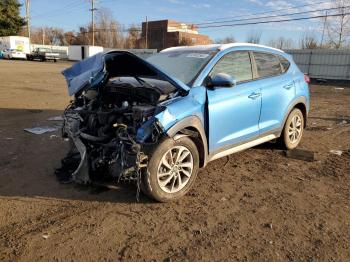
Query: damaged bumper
{"type": "Point", "coordinates": [121, 159]}
{"type": "Point", "coordinates": [71, 129]}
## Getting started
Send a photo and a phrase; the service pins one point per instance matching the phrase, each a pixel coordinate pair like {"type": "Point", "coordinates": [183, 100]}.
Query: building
{"type": "Point", "coordinates": [167, 33]}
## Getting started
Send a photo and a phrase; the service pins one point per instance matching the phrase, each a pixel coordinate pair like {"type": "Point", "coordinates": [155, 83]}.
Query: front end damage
{"type": "Point", "coordinates": [111, 123]}
{"type": "Point", "coordinates": [105, 145]}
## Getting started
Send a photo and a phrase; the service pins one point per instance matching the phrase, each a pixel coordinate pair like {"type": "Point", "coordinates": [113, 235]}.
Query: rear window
{"type": "Point", "coordinates": [267, 64]}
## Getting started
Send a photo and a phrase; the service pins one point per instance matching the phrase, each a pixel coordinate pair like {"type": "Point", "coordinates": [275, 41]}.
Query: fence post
{"type": "Point", "coordinates": [309, 65]}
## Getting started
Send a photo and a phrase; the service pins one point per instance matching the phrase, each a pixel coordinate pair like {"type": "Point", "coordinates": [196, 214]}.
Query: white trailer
{"type": "Point", "coordinates": [80, 52]}
{"type": "Point", "coordinates": [20, 43]}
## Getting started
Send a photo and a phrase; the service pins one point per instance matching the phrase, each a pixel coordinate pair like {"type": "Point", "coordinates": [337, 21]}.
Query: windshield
{"type": "Point", "coordinates": [184, 65]}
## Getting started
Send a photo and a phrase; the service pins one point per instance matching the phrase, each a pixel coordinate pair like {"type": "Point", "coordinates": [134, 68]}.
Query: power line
{"type": "Point", "coordinates": [110, 30]}
{"type": "Point", "coordinates": [273, 16]}
{"type": "Point", "coordinates": [275, 21]}
{"type": "Point", "coordinates": [250, 23]}
{"type": "Point", "coordinates": [265, 12]}
{"type": "Point", "coordinates": [72, 6]}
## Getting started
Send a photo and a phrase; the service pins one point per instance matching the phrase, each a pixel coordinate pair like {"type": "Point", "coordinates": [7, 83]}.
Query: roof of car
{"type": "Point", "coordinates": [218, 47]}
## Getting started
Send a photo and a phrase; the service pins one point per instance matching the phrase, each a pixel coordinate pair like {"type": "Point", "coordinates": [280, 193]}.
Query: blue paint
{"type": "Point", "coordinates": [243, 112]}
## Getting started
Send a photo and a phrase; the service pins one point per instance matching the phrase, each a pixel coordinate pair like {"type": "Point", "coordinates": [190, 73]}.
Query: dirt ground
{"type": "Point", "coordinates": [256, 205]}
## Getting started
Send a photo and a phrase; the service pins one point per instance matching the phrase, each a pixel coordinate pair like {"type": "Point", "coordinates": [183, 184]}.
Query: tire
{"type": "Point", "coordinates": [182, 175]}
{"type": "Point", "coordinates": [293, 129]}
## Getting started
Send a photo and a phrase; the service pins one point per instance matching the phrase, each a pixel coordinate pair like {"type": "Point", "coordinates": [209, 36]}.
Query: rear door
{"type": "Point", "coordinates": [233, 111]}
{"type": "Point", "coordinates": [277, 88]}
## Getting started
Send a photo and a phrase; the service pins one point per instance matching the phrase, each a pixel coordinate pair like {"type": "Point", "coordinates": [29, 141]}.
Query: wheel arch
{"type": "Point", "coordinates": [193, 128]}
{"type": "Point", "coordinates": [302, 108]}
{"type": "Point", "coordinates": [300, 103]}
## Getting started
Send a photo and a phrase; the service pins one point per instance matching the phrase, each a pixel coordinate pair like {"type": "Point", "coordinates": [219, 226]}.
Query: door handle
{"type": "Point", "coordinates": [289, 86]}
{"type": "Point", "coordinates": [254, 95]}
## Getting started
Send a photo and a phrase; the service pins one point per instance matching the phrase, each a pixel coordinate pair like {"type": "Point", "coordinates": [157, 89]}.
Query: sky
{"type": "Point", "coordinates": [70, 14]}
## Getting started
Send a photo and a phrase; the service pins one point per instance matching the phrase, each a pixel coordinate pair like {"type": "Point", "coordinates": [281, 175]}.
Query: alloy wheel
{"type": "Point", "coordinates": [175, 169]}
{"type": "Point", "coordinates": [295, 129]}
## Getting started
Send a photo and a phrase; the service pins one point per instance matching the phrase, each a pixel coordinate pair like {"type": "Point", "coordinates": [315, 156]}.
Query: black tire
{"type": "Point", "coordinates": [150, 185]}
{"type": "Point", "coordinates": [285, 140]}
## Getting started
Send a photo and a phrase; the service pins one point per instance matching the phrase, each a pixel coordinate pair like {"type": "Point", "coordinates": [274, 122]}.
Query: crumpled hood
{"type": "Point", "coordinates": [93, 70]}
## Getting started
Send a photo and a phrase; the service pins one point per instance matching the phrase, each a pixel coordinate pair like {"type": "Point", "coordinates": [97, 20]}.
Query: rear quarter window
{"type": "Point", "coordinates": [267, 64]}
{"type": "Point", "coordinates": [285, 63]}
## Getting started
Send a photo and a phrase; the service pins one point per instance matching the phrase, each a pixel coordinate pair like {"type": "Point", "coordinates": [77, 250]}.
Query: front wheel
{"type": "Point", "coordinates": [172, 169]}
{"type": "Point", "coordinates": [293, 129]}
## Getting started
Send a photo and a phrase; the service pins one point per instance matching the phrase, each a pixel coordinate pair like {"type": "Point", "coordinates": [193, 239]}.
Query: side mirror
{"type": "Point", "coordinates": [221, 80]}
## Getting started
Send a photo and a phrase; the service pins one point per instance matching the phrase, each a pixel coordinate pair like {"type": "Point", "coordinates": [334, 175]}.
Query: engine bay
{"type": "Point", "coordinates": [112, 128]}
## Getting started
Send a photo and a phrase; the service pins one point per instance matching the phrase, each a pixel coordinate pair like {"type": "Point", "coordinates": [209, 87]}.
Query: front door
{"type": "Point", "coordinates": [233, 111]}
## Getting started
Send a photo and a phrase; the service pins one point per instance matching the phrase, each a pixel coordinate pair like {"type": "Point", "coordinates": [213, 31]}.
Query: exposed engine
{"type": "Point", "coordinates": [112, 127]}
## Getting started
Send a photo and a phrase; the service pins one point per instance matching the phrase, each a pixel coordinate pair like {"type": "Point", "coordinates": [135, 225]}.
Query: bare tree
{"type": "Point", "coordinates": [54, 36]}
{"type": "Point", "coordinates": [37, 35]}
{"type": "Point", "coordinates": [308, 41]}
{"type": "Point", "coordinates": [282, 43]}
{"type": "Point", "coordinates": [69, 38]}
{"type": "Point", "coordinates": [133, 38]}
{"type": "Point", "coordinates": [83, 36]}
{"type": "Point", "coordinates": [47, 35]}
{"type": "Point", "coordinates": [109, 32]}
{"type": "Point", "coordinates": [254, 37]}
{"type": "Point", "coordinates": [338, 28]}
{"type": "Point", "coordinates": [225, 40]}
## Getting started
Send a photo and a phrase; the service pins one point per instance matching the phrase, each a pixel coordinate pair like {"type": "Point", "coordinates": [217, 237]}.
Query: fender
{"type": "Point", "coordinates": [192, 122]}
{"type": "Point", "coordinates": [298, 100]}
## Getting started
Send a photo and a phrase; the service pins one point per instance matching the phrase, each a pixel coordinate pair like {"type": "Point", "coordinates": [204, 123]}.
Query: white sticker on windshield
{"type": "Point", "coordinates": [197, 55]}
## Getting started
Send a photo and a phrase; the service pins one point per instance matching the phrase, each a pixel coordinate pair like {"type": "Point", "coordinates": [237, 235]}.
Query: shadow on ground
{"type": "Point", "coordinates": [28, 161]}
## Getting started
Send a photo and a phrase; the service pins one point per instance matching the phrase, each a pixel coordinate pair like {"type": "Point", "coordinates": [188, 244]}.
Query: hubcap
{"type": "Point", "coordinates": [175, 169]}
{"type": "Point", "coordinates": [295, 129]}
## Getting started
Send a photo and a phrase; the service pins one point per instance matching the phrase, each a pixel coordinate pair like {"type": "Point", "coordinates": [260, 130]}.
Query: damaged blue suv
{"type": "Point", "coordinates": [157, 121]}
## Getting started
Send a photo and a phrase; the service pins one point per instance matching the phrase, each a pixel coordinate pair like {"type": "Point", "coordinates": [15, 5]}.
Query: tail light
{"type": "Point", "coordinates": [307, 79]}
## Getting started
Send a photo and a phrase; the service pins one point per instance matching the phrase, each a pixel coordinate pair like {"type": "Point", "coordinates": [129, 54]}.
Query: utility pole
{"type": "Point", "coordinates": [146, 33]}
{"type": "Point", "coordinates": [43, 35]}
{"type": "Point", "coordinates": [93, 9]}
{"type": "Point", "coordinates": [324, 28]}
{"type": "Point", "coordinates": [28, 18]}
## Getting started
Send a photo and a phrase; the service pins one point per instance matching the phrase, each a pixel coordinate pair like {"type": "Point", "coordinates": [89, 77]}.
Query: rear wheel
{"type": "Point", "coordinates": [172, 169]}
{"type": "Point", "coordinates": [293, 129]}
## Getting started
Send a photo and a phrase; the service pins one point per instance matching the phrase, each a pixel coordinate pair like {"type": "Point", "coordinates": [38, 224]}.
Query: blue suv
{"type": "Point", "coordinates": [157, 121]}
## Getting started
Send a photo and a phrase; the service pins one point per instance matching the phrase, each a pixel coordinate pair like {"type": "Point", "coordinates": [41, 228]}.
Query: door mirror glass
{"type": "Point", "coordinates": [221, 80]}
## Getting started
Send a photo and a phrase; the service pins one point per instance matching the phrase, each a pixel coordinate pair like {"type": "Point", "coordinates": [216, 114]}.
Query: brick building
{"type": "Point", "coordinates": [167, 33]}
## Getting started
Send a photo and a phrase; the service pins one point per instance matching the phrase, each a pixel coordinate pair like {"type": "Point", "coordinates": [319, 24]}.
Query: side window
{"type": "Point", "coordinates": [235, 64]}
{"type": "Point", "coordinates": [267, 64]}
{"type": "Point", "coordinates": [285, 63]}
